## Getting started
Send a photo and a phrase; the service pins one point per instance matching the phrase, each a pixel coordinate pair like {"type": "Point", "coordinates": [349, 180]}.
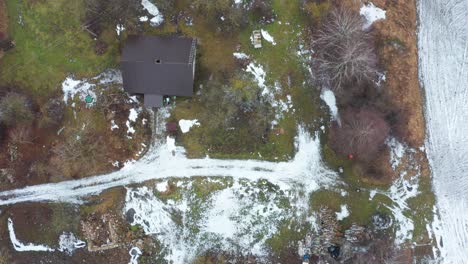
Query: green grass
{"type": "Point", "coordinates": [282, 65]}
{"type": "Point", "coordinates": [421, 208]}
{"type": "Point", "coordinates": [360, 207]}
{"type": "Point", "coordinates": [50, 45]}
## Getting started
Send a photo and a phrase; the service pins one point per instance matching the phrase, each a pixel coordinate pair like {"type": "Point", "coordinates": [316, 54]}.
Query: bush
{"type": "Point", "coordinates": [221, 13]}
{"type": "Point", "coordinates": [81, 154]}
{"type": "Point", "coordinates": [237, 119]}
{"type": "Point", "coordinates": [315, 10]}
{"type": "Point", "coordinates": [20, 135]}
{"type": "Point", "coordinates": [52, 113]}
{"type": "Point", "coordinates": [362, 133]}
{"type": "Point", "coordinates": [111, 11]}
{"type": "Point", "coordinates": [345, 51]}
{"type": "Point", "coordinates": [262, 9]}
{"type": "Point", "coordinates": [15, 109]}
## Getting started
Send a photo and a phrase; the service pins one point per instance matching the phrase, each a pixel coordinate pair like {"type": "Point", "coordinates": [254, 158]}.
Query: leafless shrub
{"type": "Point", "coordinates": [52, 113]}
{"type": "Point", "coordinates": [361, 134]}
{"type": "Point", "coordinates": [15, 109]}
{"type": "Point", "coordinates": [20, 135]}
{"type": "Point", "coordinates": [82, 153]}
{"type": "Point", "coordinates": [345, 51]}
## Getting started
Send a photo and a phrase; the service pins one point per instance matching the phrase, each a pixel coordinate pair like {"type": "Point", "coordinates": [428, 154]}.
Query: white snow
{"type": "Point", "coordinates": [68, 243]}
{"type": "Point", "coordinates": [20, 246]}
{"type": "Point", "coordinates": [443, 64]}
{"type": "Point", "coordinates": [133, 114]}
{"type": "Point", "coordinates": [132, 117]}
{"type": "Point", "coordinates": [72, 87]}
{"type": "Point", "coordinates": [154, 11]}
{"type": "Point", "coordinates": [306, 165]}
{"type": "Point", "coordinates": [143, 18]}
{"type": "Point", "coordinates": [186, 125]}
{"type": "Point", "coordinates": [219, 220]}
{"type": "Point", "coordinates": [170, 144]}
{"type": "Point", "coordinates": [162, 186]}
{"type": "Point", "coordinates": [119, 29]}
{"type": "Point", "coordinates": [114, 125]}
{"type": "Point", "coordinates": [397, 150]}
{"type": "Point", "coordinates": [371, 13]}
{"type": "Point", "coordinates": [343, 213]}
{"type": "Point", "coordinates": [258, 73]}
{"type": "Point", "coordinates": [266, 36]}
{"type": "Point", "coordinates": [240, 55]}
{"type": "Point", "coordinates": [84, 87]}
{"type": "Point", "coordinates": [135, 253]}
{"type": "Point", "coordinates": [329, 98]}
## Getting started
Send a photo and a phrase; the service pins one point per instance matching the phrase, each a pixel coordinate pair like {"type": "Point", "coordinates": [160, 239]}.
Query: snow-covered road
{"type": "Point", "coordinates": [443, 53]}
{"type": "Point", "coordinates": [165, 160]}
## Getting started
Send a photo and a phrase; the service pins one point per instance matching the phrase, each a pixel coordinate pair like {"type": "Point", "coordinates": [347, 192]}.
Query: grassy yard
{"type": "Point", "coordinates": [51, 44]}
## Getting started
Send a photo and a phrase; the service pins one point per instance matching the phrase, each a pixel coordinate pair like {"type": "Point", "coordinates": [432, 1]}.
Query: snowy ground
{"type": "Point", "coordinates": [166, 160]}
{"type": "Point", "coordinates": [443, 51]}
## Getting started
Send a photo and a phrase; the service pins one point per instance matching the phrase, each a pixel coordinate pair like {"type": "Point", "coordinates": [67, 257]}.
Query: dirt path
{"type": "Point", "coordinates": [166, 161]}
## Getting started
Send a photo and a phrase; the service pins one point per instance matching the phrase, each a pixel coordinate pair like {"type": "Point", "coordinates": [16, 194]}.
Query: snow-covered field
{"type": "Point", "coordinates": [443, 58]}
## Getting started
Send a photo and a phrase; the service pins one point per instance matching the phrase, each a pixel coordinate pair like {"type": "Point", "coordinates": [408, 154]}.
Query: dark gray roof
{"type": "Point", "coordinates": [158, 65]}
{"type": "Point", "coordinates": [153, 100]}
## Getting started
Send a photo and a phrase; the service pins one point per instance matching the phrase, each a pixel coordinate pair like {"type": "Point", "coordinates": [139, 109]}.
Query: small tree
{"type": "Point", "coordinates": [361, 134]}
{"type": "Point", "coordinates": [15, 109]}
{"type": "Point", "coordinates": [345, 51]}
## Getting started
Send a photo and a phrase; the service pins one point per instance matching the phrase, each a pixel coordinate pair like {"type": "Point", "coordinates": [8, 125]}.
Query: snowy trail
{"type": "Point", "coordinates": [160, 163]}
{"type": "Point", "coordinates": [443, 51]}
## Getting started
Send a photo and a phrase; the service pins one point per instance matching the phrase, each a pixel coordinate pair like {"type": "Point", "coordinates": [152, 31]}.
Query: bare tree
{"type": "Point", "coordinates": [361, 134]}
{"type": "Point", "coordinates": [345, 50]}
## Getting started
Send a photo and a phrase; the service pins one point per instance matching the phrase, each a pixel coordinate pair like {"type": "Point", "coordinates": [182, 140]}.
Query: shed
{"type": "Point", "coordinates": [256, 39]}
{"type": "Point", "coordinates": [155, 66]}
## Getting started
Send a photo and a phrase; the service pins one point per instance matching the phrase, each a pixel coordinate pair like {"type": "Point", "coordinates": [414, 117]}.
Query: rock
{"type": "Point", "coordinates": [381, 221]}
{"type": "Point", "coordinates": [357, 234]}
{"type": "Point", "coordinates": [129, 215]}
{"type": "Point", "coordinates": [334, 251]}
{"type": "Point", "coordinates": [7, 174]}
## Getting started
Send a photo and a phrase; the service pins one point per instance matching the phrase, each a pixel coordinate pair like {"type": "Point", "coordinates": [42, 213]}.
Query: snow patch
{"type": "Point", "coordinates": [19, 246]}
{"type": "Point", "coordinates": [162, 187]}
{"type": "Point", "coordinates": [329, 98]}
{"type": "Point", "coordinates": [68, 243]}
{"type": "Point", "coordinates": [119, 29]}
{"type": "Point", "coordinates": [371, 13]}
{"type": "Point", "coordinates": [258, 73]}
{"type": "Point", "coordinates": [154, 11]}
{"type": "Point", "coordinates": [186, 125]}
{"type": "Point", "coordinates": [343, 213]}
{"type": "Point", "coordinates": [72, 87]}
{"type": "Point", "coordinates": [114, 125]}
{"type": "Point", "coordinates": [266, 36]}
{"type": "Point", "coordinates": [397, 150]}
{"type": "Point", "coordinates": [135, 253]}
{"type": "Point", "coordinates": [240, 55]}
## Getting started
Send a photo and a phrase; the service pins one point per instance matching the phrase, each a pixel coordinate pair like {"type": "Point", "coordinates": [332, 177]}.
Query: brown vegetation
{"type": "Point", "coordinates": [15, 109]}
{"type": "Point", "coordinates": [345, 51]}
{"type": "Point", "coordinates": [3, 21]}
{"type": "Point", "coordinates": [362, 133]}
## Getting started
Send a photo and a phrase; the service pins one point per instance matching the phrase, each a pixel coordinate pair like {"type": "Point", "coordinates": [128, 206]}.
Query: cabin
{"type": "Point", "coordinates": [158, 66]}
